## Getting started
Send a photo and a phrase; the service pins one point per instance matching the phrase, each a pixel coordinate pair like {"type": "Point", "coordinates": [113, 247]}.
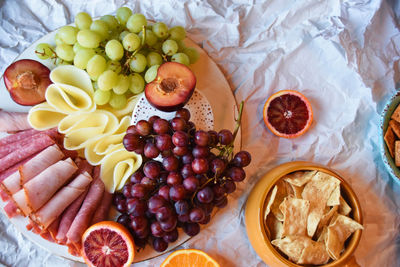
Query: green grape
{"type": "Point", "coordinates": [137, 83]}
{"type": "Point", "coordinates": [138, 63]}
{"type": "Point", "coordinates": [131, 42]}
{"type": "Point", "coordinates": [169, 47]}
{"type": "Point", "coordinates": [117, 101]}
{"type": "Point", "coordinates": [123, 34]}
{"type": "Point", "coordinates": [192, 53]}
{"type": "Point", "coordinates": [107, 80]}
{"type": "Point", "coordinates": [151, 73]}
{"type": "Point", "coordinates": [83, 20]}
{"type": "Point", "coordinates": [160, 30]}
{"type": "Point", "coordinates": [67, 34]}
{"type": "Point", "coordinates": [111, 21]}
{"type": "Point", "coordinates": [114, 50]}
{"type": "Point", "coordinates": [154, 58]}
{"type": "Point", "coordinates": [158, 47]}
{"type": "Point", "coordinates": [44, 51]}
{"type": "Point", "coordinates": [65, 52]}
{"type": "Point", "coordinates": [181, 46]}
{"type": "Point", "coordinates": [82, 58]}
{"type": "Point", "coordinates": [123, 14]}
{"type": "Point", "coordinates": [96, 66]}
{"type": "Point", "coordinates": [58, 40]}
{"type": "Point", "coordinates": [177, 33]}
{"type": "Point", "coordinates": [77, 47]}
{"type": "Point", "coordinates": [101, 97]}
{"type": "Point", "coordinates": [115, 66]}
{"type": "Point", "coordinates": [101, 28]}
{"type": "Point", "coordinates": [95, 86]}
{"type": "Point", "coordinates": [151, 38]}
{"type": "Point", "coordinates": [60, 62]}
{"type": "Point", "coordinates": [136, 22]}
{"type": "Point", "coordinates": [88, 38]}
{"type": "Point", "coordinates": [181, 58]}
{"type": "Point", "coordinates": [123, 85]}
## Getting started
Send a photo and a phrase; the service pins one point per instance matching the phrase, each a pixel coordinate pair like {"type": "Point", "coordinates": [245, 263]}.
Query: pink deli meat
{"type": "Point", "coordinates": [11, 209]}
{"type": "Point", "coordinates": [38, 143]}
{"type": "Point", "coordinates": [101, 213]}
{"type": "Point", "coordinates": [17, 136]}
{"type": "Point", "coordinates": [30, 169]}
{"type": "Point", "coordinates": [61, 200]}
{"type": "Point", "coordinates": [42, 187]}
{"type": "Point", "coordinates": [84, 216]}
{"type": "Point", "coordinates": [13, 121]}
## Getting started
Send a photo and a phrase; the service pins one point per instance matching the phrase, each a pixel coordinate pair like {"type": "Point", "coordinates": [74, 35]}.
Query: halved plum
{"type": "Point", "coordinates": [172, 87]}
{"type": "Point", "coordinates": [26, 80]}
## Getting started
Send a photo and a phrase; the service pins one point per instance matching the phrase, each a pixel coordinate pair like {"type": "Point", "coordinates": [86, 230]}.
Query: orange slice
{"type": "Point", "coordinates": [189, 258]}
{"type": "Point", "coordinates": [108, 244]}
{"type": "Point", "coordinates": [288, 114]}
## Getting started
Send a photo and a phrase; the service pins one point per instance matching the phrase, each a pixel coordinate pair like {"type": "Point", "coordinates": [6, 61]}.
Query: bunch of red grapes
{"type": "Point", "coordinates": [194, 172]}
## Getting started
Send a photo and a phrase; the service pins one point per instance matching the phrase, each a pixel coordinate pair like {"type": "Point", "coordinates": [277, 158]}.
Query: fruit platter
{"type": "Point", "coordinates": [124, 118]}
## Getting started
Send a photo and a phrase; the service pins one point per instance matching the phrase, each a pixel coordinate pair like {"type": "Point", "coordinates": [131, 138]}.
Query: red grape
{"type": "Point", "coordinates": [177, 192]}
{"type": "Point", "coordinates": [178, 124]}
{"type": "Point", "coordinates": [152, 119]}
{"type": "Point", "coordinates": [131, 141]}
{"type": "Point", "coordinates": [206, 219]}
{"type": "Point", "coordinates": [201, 138]}
{"type": "Point", "coordinates": [138, 191]}
{"type": "Point", "coordinates": [143, 127]}
{"type": "Point", "coordinates": [132, 130]}
{"type": "Point", "coordinates": [180, 138]}
{"type": "Point", "coordinates": [164, 192]}
{"type": "Point", "coordinates": [191, 229]}
{"type": "Point", "coordinates": [136, 207]}
{"type": "Point", "coordinates": [225, 137]}
{"type": "Point", "coordinates": [154, 203]}
{"type": "Point", "coordinates": [237, 174]}
{"type": "Point", "coordinates": [218, 166]}
{"type": "Point", "coordinates": [170, 163]}
{"type": "Point", "coordinates": [121, 206]}
{"type": "Point", "coordinates": [187, 158]}
{"type": "Point", "coordinates": [205, 195]}
{"type": "Point", "coordinates": [161, 126]}
{"type": "Point", "coordinates": [159, 244]}
{"type": "Point", "coordinates": [137, 177]}
{"type": "Point", "coordinates": [213, 138]}
{"type": "Point", "coordinates": [152, 169]}
{"type": "Point", "coordinates": [124, 220]}
{"type": "Point", "coordinates": [187, 171]}
{"type": "Point", "coordinates": [163, 213]}
{"type": "Point", "coordinates": [230, 186]}
{"type": "Point", "coordinates": [196, 214]}
{"type": "Point", "coordinates": [156, 229]}
{"type": "Point", "coordinates": [183, 113]}
{"type": "Point", "coordinates": [200, 165]}
{"type": "Point", "coordinates": [191, 183]}
{"type": "Point", "coordinates": [241, 159]}
{"type": "Point", "coordinates": [180, 150]}
{"type": "Point", "coordinates": [181, 207]}
{"type": "Point", "coordinates": [126, 190]}
{"type": "Point", "coordinates": [171, 236]}
{"type": "Point", "coordinates": [138, 223]}
{"type": "Point", "coordinates": [150, 150]}
{"type": "Point", "coordinates": [149, 182]}
{"type": "Point", "coordinates": [169, 224]}
{"type": "Point", "coordinates": [222, 202]}
{"type": "Point", "coordinates": [164, 142]}
{"type": "Point", "coordinates": [200, 151]}
{"type": "Point", "coordinates": [174, 178]}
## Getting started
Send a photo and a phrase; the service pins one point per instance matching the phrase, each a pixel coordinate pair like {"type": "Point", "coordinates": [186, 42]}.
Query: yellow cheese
{"type": "Point", "coordinates": [43, 116]}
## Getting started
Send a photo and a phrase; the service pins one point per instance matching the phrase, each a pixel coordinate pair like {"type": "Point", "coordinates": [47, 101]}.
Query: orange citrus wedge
{"type": "Point", "coordinates": [288, 114]}
{"type": "Point", "coordinates": [108, 243]}
{"type": "Point", "coordinates": [189, 258]}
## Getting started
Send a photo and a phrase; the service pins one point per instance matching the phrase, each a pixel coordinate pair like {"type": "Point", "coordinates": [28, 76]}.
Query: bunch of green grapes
{"type": "Point", "coordinates": [120, 53]}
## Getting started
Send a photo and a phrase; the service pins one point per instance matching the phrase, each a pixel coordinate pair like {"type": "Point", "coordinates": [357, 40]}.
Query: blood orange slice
{"type": "Point", "coordinates": [288, 114]}
{"type": "Point", "coordinates": [189, 258]}
{"type": "Point", "coordinates": [108, 244]}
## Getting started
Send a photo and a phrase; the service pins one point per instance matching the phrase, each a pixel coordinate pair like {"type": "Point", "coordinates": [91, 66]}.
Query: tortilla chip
{"type": "Point", "coordinates": [334, 199]}
{"type": "Point", "coordinates": [390, 140]}
{"type": "Point", "coordinates": [295, 213]}
{"type": "Point", "coordinates": [315, 254]}
{"type": "Point", "coordinates": [296, 190]}
{"type": "Point", "coordinates": [318, 191]}
{"type": "Point", "coordinates": [322, 236]}
{"type": "Point", "coordinates": [299, 178]}
{"type": "Point", "coordinates": [271, 199]}
{"type": "Point", "coordinates": [274, 226]}
{"type": "Point", "coordinates": [292, 246]}
{"type": "Point", "coordinates": [397, 153]}
{"type": "Point", "coordinates": [326, 218]}
{"type": "Point", "coordinates": [289, 189]}
{"type": "Point", "coordinates": [395, 127]}
{"type": "Point", "coordinates": [279, 197]}
{"type": "Point", "coordinates": [344, 208]}
{"type": "Point", "coordinates": [337, 234]}
{"type": "Point", "coordinates": [396, 114]}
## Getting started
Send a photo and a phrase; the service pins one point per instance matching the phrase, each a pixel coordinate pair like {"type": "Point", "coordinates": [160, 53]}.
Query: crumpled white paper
{"type": "Point", "coordinates": [343, 55]}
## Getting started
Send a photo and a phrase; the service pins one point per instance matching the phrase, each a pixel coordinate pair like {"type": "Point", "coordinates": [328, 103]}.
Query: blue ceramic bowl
{"type": "Point", "coordinates": [388, 161]}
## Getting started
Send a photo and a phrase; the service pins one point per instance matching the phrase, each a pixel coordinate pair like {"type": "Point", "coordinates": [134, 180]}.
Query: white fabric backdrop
{"type": "Point", "coordinates": [343, 55]}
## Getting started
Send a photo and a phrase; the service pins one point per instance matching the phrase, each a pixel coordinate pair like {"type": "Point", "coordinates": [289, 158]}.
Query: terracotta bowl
{"type": "Point", "coordinates": [254, 216]}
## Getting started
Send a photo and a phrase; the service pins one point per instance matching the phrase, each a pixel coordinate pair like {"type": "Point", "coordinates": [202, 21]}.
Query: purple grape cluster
{"type": "Point", "coordinates": [196, 172]}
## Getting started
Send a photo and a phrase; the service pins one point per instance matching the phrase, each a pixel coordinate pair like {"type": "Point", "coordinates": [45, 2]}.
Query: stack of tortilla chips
{"type": "Point", "coordinates": [392, 136]}
{"type": "Point", "coordinates": [306, 217]}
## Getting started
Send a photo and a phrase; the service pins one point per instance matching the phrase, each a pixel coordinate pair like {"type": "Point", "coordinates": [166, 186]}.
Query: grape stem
{"type": "Point", "coordinates": [142, 43]}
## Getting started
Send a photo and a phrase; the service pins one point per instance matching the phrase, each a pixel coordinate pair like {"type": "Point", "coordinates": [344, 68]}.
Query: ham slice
{"type": "Point", "coordinates": [38, 143]}
{"type": "Point", "coordinates": [30, 169]}
{"type": "Point", "coordinates": [61, 200]}
{"type": "Point", "coordinates": [11, 170]}
{"type": "Point", "coordinates": [53, 228]}
{"type": "Point", "coordinates": [84, 216]}
{"type": "Point", "coordinates": [41, 188]}
{"type": "Point", "coordinates": [4, 196]}
{"type": "Point", "coordinates": [13, 121]}
{"type": "Point", "coordinates": [18, 136]}
{"type": "Point", "coordinates": [101, 213]}
{"type": "Point", "coordinates": [11, 209]}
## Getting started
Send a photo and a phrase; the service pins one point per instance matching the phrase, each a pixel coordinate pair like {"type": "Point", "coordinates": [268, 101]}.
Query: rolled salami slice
{"type": "Point", "coordinates": [41, 188]}
{"type": "Point", "coordinates": [30, 169]}
{"type": "Point", "coordinates": [101, 213]}
{"type": "Point", "coordinates": [37, 143]}
{"type": "Point", "coordinates": [4, 195]}
{"type": "Point", "coordinates": [11, 170]}
{"type": "Point", "coordinates": [84, 216]}
{"type": "Point", "coordinates": [61, 200]}
{"type": "Point", "coordinates": [13, 121]}
{"type": "Point", "coordinates": [17, 136]}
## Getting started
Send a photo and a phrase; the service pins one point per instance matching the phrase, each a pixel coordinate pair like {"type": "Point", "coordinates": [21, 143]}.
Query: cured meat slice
{"type": "Point", "coordinates": [84, 166]}
{"type": "Point", "coordinates": [11, 170]}
{"type": "Point", "coordinates": [101, 213]}
{"type": "Point", "coordinates": [61, 200]}
{"type": "Point", "coordinates": [13, 121]}
{"type": "Point", "coordinates": [41, 188]}
{"type": "Point", "coordinates": [84, 216]}
{"type": "Point", "coordinates": [38, 143]}
{"type": "Point", "coordinates": [53, 228]}
{"type": "Point", "coordinates": [30, 169]}
{"type": "Point", "coordinates": [11, 209]}
{"type": "Point", "coordinates": [18, 136]}
{"type": "Point", "coordinates": [4, 196]}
